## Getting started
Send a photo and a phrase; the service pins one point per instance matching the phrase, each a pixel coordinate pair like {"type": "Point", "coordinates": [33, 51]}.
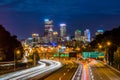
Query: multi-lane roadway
{"type": "Point", "coordinates": [32, 72]}
{"type": "Point", "coordinates": [100, 71]}
{"type": "Point", "coordinates": [65, 73]}
{"type": "Point", "coordinates": [95, 70]}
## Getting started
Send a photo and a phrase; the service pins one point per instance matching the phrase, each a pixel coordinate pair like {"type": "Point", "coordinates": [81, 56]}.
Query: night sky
{"type": "Point", "coordinates": [24, 17]}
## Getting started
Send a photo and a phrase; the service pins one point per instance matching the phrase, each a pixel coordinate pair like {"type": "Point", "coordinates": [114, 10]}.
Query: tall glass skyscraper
{"type": "Point", "coordinates": [48, 33]}
{"type": "Point", "coordinates": [87, 35]}
{"type": "Point", "coordinates": [62, 30]}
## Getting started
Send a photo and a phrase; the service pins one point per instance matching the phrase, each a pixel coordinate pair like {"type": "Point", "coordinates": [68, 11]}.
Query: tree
{"type": "Point", "coordinates": [8, 45]}
{"type": "Point", "coordinates": [117, 58]}
{"type": "Point", "coordinates": [113, 37]}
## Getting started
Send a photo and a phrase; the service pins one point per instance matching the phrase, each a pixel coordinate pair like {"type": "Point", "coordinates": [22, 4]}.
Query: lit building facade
{"type": "Point", "coordinates": [78, 35]}
{"type": "Point", "coordinates": [62, 30]}
{"type": "Point", "coordinates": [55, 36]}
{"type": "Point", "coordinates": [99, 32]}
{"type": "Point", "coordinates": [29, 41]}
{"type": "Point", "coordinates": [35, 39]}
{"type": "Point", "coordinates": [87, 35]}
{"type": "Point", "coordinates": [48, 33]}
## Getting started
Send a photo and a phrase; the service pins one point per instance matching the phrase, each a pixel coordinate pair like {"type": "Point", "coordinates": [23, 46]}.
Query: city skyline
{"type": "Point", "coordinates": [59, 40]}
{"type": "Point", "coordinates": [22, 18]}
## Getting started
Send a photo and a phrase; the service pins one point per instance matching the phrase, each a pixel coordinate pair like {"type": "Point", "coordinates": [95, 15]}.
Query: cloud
{"type": "Point", "coordinates": [66, 7]}
{"type": "Point", "coordinates": [5, 2]}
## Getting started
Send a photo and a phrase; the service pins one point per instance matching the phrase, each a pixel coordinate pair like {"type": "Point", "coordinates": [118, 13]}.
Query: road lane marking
{"type": "Point", "coordinates": [60, 78]}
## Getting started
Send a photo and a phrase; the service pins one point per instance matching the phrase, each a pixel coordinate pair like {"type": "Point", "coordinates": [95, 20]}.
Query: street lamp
{"type": "Point", "coordinates": [106, 50]}
{"type": "Point", "coordinates": [42, 49]}
{"type": "Point", "coordinates": [77, 49]}
{"type": "Point", "coordinates": [108, 43]}
{"type": "Point", "coordinates": [59, 51]}
{"type": "Point", "coordinates": [100, 46]}
{"type": "Point", "coordinates": [34, 55]}
{"type": "Point", "coordinates": [16, 52]}
{"type": "Point", "coordinates": [45, 53]}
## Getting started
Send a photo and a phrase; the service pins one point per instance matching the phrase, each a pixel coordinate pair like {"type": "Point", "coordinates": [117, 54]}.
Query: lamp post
{"type": "Point", "coordinates": [16, 52]}
{"type": "Point", "coordinates": [34, 55]}
{"type": "Point", "coordinates": [46, 49]}
{"type": "Point", "coordinates": [107, 44]}
{"type": "Point", "coordinates": [59, 52]}
{"type": "Point", "coordinates": [14, 61]}
{"type": "Point", "coordinates": [42, 49]}
{"type": "Point", "coordinates": [100, 46]}
{"type": "Point", "coordinates": [106, 51]}
{"type": "Point", "coordinates": [77, 49]}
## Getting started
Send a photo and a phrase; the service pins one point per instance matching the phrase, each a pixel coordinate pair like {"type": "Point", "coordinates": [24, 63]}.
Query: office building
{"type": "Point", "coordinates": [87, 35]}
{"type": "Point", "coordinates": [48, 33]}
{"type": "Point", "coordinates": [55, 36]}
{"type": "Point", "coordinates": [62, 30]}
{"type": "Point", "coordinates": [78, 35]}
{"type": "Point", "coordinates": [35, 39]}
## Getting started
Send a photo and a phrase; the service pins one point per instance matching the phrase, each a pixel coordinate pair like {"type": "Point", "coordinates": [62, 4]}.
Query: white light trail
{"type": "Point", "coordinates": [54, 65]}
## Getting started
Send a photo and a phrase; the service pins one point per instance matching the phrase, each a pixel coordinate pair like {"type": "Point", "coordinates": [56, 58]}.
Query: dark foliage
{"type": "Point", "coordinates": [112, 36]}
{"type": "Point", "coordinates": [8, 45]}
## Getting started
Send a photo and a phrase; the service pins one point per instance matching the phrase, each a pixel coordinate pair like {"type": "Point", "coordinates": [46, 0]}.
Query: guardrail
{"type": "Point", "coordinates": [17, 73]}
{"type": "Point", "coordinates": [78, 73]}
{"type": "Point", "coordinates": [32, 72]}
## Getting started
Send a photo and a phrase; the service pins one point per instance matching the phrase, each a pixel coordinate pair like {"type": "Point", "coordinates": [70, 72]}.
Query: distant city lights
{"type": "Point", "coordinates": [62, 24]}
{"type": "Point", "coordinates": [46, 20]}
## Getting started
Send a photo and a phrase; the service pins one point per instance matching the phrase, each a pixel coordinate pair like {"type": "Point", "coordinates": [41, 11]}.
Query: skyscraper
{"type": "Point", "coordinates": [87, 35]}
{"type": "Point", "coordinates": [55, 36]}
{"type": "Point", "coordinates": [35, 38]}
{"type": "Point", "coordinates": [77, 34]}
{"type": "Point", "coordinates": [48, 29]}
{"type": "Point", "coordinates": [62, 30]}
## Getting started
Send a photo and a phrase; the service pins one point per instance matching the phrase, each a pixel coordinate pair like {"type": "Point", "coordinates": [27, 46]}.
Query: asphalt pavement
{"type": "Point", "coordinates": [65, 73]}
{"type": "Point", "coordinates": [101, 71]}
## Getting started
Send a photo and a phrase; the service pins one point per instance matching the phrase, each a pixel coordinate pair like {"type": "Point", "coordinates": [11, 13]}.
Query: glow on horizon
{"type": "Point", "coordinates": [46, 20]}
{"type": "Point", "coordinates": [100, 31]}
{"type": "Point", "coordinates": [62, 24]}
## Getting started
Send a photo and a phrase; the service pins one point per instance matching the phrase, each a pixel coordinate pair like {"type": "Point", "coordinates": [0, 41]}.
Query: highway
{"type": "Point", "coordinates": [78, 73]}
{"type": "Point", "coordinates": [85, 72]}
{"type": "Point", "coordinates": [65, 73]}
{"type": "Point", "coordinates": [29, 73]}
{"type": "Point", "coordinates": [101, 71]}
